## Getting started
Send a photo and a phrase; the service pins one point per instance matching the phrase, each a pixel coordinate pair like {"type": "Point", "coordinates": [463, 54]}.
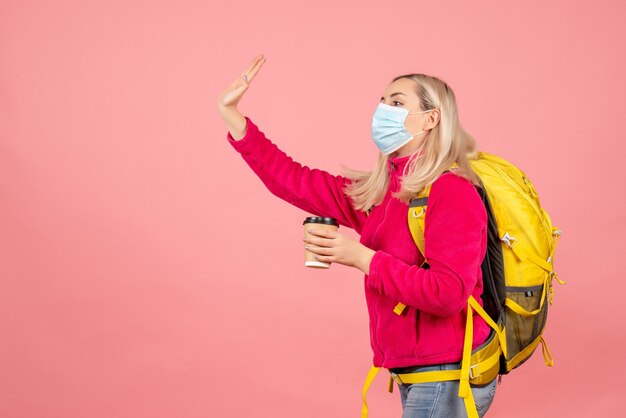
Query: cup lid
{"type": "Point", "coordinates": [320, 220]}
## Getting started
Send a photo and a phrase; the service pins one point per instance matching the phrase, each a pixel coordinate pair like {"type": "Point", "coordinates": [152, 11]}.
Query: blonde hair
{"type": "Point", "coordinates": [443, 145]}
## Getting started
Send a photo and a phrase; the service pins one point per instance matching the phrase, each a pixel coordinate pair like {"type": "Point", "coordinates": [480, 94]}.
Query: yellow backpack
{"type": "Point", "coordinates": [517, 280]}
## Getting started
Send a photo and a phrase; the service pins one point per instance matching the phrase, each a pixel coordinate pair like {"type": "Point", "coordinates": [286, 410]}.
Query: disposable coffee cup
{"type": "Point", "coordinates": [317, 222]}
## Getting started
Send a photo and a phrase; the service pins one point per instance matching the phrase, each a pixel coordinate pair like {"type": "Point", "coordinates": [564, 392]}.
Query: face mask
{"type": "Point", "coordinates": [388, 131]}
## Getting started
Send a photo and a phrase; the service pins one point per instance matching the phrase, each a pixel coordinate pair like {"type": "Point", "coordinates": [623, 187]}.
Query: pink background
{"type": "Point", "coordinates": [146, 272]}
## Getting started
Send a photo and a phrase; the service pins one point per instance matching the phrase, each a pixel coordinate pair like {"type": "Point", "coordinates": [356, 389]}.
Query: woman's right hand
{"type": "Point", "coordinates": [229, 99]}
{"type": "Point", "coordinates": [233, 94]}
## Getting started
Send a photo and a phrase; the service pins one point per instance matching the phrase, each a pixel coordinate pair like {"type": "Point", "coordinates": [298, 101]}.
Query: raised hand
{"type": "Point", "coordinates": [229, 99]}
{"type": "Point", "coordinates": [233, 94]}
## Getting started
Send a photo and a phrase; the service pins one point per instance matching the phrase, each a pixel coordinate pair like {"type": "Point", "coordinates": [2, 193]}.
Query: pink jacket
{"type": "Point", "coordinates": [432, 327]}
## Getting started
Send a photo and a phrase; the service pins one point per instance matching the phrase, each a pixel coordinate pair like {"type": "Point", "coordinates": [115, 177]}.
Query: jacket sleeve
{"type": "Point", "coordinates": [455, 238]}
{"type": "Point", "coordinates": [312, 190]}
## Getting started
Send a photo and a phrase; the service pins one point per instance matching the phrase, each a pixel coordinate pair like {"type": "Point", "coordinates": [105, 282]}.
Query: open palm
{"type": "Point", "coordinates": [233, 94]}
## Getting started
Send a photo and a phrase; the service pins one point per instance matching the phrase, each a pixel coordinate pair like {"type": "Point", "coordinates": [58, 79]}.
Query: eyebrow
{"type": "Point", "coordinates": [393, 94]}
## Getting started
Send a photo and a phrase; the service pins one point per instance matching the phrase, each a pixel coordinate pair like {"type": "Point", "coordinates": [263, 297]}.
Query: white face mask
{"type": "Point", "coordinates": [388, 131]}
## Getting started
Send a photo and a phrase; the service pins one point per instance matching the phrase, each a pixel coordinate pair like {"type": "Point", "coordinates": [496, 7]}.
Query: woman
{"type": "Point", "coordinates": [416, 128]}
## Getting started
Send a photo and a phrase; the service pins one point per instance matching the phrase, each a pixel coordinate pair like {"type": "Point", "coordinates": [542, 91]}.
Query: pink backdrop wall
{"type": "Point", "coordinates": [146, 272]}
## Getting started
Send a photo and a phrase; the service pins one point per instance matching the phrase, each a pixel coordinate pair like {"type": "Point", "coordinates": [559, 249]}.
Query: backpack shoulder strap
{"type": "Point", "coordinates": [416, 221]}
{"type": "Point", "coordinates": [417, 215]}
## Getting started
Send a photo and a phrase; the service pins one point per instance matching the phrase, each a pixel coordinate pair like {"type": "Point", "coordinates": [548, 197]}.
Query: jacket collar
{"type": "Point", "coordinates": [398, 163]}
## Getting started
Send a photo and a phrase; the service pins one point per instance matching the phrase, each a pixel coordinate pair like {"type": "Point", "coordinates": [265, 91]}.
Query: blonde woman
{"type": "Point", "coordinates": [416, 128]}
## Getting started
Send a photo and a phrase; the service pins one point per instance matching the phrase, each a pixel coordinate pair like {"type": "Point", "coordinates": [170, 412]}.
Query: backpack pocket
{"type": "Point", "coordinates": [524, 327]}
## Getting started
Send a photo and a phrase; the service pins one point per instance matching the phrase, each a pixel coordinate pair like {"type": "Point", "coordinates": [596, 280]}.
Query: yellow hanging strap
{"type": "Point", "coordinates": [465, 391]}
{"type": "Point", "coordinates": [368, 381]}
{"type": "Point", "coordinates": [556, 276]}
{"type": "Point", "coordinates": [547, 357]}
{"type": "Point", "coordinates": [481, 311]}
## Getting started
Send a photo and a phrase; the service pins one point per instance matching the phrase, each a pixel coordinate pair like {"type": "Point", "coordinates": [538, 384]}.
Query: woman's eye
{"type": "Point", "coordinates": [395, 101]}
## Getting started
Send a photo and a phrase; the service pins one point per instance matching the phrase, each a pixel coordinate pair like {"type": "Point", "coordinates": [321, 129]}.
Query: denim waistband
{"type": "Point", "coordinates": [424, 368]}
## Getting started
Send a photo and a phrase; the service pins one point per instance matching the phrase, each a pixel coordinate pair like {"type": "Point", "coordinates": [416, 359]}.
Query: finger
{"type": "Point", "coordinates": [320, 242]}
{"type": "Point", "coordinates": [319, 250]}
{"type": "Point", "coordinates": [253, 63]}
{"type": "Point", "coordinates": [323, 233]}
{"type": "Point", "coordinates": [252, 73]}
{"type": "Point", "coordinates": [327, 259]}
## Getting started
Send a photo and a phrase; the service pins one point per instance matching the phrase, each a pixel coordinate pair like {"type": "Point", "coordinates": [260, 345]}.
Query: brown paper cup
{"type": "Point", "coordinates": [317, 222]}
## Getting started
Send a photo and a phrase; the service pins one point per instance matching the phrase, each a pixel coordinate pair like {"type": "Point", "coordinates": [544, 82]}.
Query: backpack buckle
{"type": "Point", "coordinates": [473, 374]}
{"type": "Point", "coordinates": [395, 377]}
{"type": "Point", "coordinates": [416, 215]}
{"type": "Point", "coordinates": [510, 240]}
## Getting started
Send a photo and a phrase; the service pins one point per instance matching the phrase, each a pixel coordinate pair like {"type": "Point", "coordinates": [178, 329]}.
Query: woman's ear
{"type": "Point", "coordinates": [432, 119]}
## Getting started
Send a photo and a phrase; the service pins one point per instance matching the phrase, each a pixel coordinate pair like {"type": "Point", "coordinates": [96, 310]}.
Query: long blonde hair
{"type": "Point", "coordinates": [443, 145]}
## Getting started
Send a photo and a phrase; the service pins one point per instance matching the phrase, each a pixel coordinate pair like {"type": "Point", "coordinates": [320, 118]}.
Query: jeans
{"type": "Point", "coordinates": [440, 399]}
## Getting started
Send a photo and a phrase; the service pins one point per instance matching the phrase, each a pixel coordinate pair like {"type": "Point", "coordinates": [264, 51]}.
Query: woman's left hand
{"type": "Point", "coordinates": [335, 247]}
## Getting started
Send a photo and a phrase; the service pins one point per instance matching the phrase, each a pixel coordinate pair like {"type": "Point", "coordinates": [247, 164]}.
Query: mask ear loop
{"type": "Point", "coordinates": [415, 113]}
{"type": "Point", "coordinates": [425, 111]}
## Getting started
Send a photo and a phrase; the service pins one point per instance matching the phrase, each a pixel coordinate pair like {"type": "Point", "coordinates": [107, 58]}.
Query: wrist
{"type": "Point", "coordinates": [235, 121]}
{"type": "Point", "coordinates": [365, 260]}
{"type": "Point", "coordinates": [227, 110]}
